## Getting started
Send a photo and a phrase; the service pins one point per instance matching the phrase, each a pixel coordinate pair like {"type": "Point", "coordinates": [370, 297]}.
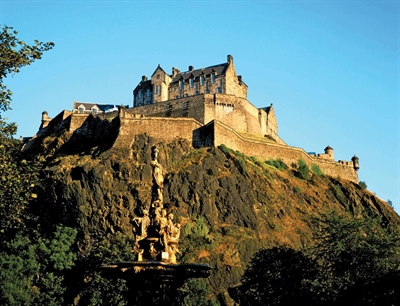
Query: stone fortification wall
{"type": "Point", "coordinates": [189, 107]}
{"type": "Point", "coordinates": [77, 120]}
{"type": "Point", "coordinates": [290, 155]}
{"type": "Point", "coordinates": [161, 129]}
{"type": "Point", "coordinates": [229, 109]}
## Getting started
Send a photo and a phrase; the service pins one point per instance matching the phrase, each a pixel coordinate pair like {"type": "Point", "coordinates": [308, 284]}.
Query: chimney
{"type": "Point", "coordinates": [144, 78]}
{"type": "Point", "coordinates": [240, 78]}
{"type": "Point", "coordinates": [175, 71]}
{"type": "Point", "coordinates": [191, 68]}
{"type": "Point", "coordinates": [230, 59]}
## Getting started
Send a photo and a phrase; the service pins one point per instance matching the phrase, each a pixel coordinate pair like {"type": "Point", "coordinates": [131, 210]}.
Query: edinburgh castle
{"type": "Point", "coordinates": [207, 106]}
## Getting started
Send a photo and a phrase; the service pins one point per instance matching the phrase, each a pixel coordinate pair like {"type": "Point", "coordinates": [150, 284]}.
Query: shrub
{"type": "Point", "coordinates": [363, 185]}
{"type": "Point", "coordinates": [303, 171]}
{"type": "Point", "coordinates": [316, 170]}
{"type": "Point", "coordinates": [277, 163]}
{"type": "Point", "coordinates": [297, 189]}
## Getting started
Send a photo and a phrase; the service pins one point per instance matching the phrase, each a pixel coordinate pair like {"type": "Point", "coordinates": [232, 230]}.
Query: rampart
{"type": "Point", "coordinates": [223, 134]}
{"type": "Point", "coordinates": [214, 133]}
{"type": "Point", "coordinates": [161, 129]}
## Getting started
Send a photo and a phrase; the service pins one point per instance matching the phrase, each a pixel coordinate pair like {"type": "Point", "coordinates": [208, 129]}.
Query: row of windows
{"type": "Point", "coordinates": [202, 81]}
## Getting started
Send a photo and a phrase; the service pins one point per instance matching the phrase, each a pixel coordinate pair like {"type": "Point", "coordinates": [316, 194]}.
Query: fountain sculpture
{"type": "Point", "coordinates": [156, 245]}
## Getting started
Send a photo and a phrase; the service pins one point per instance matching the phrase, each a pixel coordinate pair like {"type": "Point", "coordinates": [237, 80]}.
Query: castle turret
{"type": "Point", "coordinates": [329, 151]}
{"type": "Point", "coordinates": [355, 161]}
{"type": "Point", "coordinates": [45, 120]}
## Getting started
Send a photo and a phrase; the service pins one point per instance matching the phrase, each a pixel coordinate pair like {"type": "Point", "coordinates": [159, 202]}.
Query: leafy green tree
{"type": "Point", "coordinates": [277, 276]}
{"type": "Point", "coordinates": [353, 253]}
{"type": "Point", "coordinates": [32, 260]}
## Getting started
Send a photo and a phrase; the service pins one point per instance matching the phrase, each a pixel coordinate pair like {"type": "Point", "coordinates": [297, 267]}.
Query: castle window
{"type": "Point", "coordinates": [207, 87]}
{"type": "Point", "coordinates": [220, 86]}
{"type": "Point", "coordinates": [181, 84]}
{"type": "Point", "coordinates": [158, 90]}
{"type": "Point", "coordinates": [94, 110]}
{"type": "Point", "coordinates": [148, 92]}
{"type": "Point", "coordinates": [202, 80]}
{"type": "Point", "coordinates": [213, 78]}
{"type": "Point", "coordinates": [81, 109]}
{"type": "Point", "coordinates": [197, 88]}
{"type": "Point", "coordinates": [191, 82]}
{"type": "Point", "coordinates": [140, 94]}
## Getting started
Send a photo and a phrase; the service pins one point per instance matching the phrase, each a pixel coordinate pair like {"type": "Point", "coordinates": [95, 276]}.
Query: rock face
{"type": "Point", "coordinates": [229, 205]}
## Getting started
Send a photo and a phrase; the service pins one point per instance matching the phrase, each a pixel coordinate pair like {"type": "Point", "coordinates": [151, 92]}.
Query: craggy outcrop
{"type": "Point", "coordinates": [240, 204]}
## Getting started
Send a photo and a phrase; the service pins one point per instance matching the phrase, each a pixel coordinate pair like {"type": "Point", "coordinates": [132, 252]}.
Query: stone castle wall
{"type": "Point", "coordinates": [161, 129]}
{"type": "Point", "coordinates": [223, 134]}
{"type": "Point", "coordinates": [229, 109]}
{"type": "Point", "coordinates": [167, 128]}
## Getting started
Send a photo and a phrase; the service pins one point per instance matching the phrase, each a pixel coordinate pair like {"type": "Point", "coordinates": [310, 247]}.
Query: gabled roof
{"type": "Point", "coordinates": [89, 105]}
{"type": "Point", "coordinates": [158, 68]}
{"type": "Point", "coordinates": [217, 69]}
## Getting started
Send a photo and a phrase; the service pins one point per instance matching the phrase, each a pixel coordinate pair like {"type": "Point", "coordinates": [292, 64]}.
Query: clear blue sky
{"type": "Point", "coordinates": [331, 68]}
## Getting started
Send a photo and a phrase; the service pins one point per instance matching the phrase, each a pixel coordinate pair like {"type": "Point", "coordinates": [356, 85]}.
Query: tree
{"type": "Point", "coordinates": [352, 255]}
{"type": "Point", "coordinates": [16, 54]}
{"type": "Point", "coordinates": [32, 260]}
{"type": "Point", "coordinates": [277, 276]}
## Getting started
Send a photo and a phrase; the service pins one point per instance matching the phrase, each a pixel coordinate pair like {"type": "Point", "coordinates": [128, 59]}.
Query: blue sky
{"type": "Point", "coordinates": [331, 68]}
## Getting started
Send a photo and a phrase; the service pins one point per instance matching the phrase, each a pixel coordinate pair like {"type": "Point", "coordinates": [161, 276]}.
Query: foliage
{"type": "Point", "coordinates": [303, 171]}
{"type": "Point", "coordinates": [32, 262]}
{"type": "Point", "coordinates": [195, 292]}
{"type": "Point", "coordinates": [277, 163]}
{"type": "Point", "coordinates": [225, 149]}
{"type": "Point", "coordinates": [353, 262]}
{"type": "Point", "coordinates": [277, 276]}
{"type": "Point", "coordinates": [297, 189]}
{"type": "Point", "coordinates": [362, 184]}
{"type": "Point", "coordinates": [15, 54]}
{"type": "Point", "coordinates": [19, 178]}
{"type": "Point", "coordinates": [196, 238]}
{"type": "Point", "coordinates": [30, 268]}
{"type": "Point", "coordinates": [316, 170]}
{"type": "Point", "coordinates": [390, 203]}
{"type": "Point", "coordinates": [352, 252]}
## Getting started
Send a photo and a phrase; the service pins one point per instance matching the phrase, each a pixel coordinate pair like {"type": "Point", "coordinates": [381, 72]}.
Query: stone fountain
{"type": "Point", "coordinates": [156, 246]}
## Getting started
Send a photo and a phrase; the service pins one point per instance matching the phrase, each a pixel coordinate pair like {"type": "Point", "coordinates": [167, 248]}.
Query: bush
{"type": "Point", "coordinates": [363, 185]}
{"type": "Point", "coordinates": [303, 170]}
{"type": "Point", "coordinates": [277, 163]}
{"type": "Point", "coordinates": [316, 170]}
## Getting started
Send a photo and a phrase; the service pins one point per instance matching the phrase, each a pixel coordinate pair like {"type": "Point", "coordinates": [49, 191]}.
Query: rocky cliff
{"type": "Point", "coordinates": [229, 205]}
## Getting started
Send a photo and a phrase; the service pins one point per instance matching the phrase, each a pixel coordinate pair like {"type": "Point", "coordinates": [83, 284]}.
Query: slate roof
{"type": "Point", "coordinates": [218, 69]}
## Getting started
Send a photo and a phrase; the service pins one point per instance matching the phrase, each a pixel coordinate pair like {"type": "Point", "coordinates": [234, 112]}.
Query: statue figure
{"type": "Point", "coordinates": [163, 229]}
{"type": "Point", "coordinates": [158, 170]}
{"type": "Point", "coordinates": [142, 223]}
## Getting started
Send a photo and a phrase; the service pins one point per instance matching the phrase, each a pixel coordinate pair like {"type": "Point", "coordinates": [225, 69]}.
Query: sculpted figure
{"type": "Point", "coordinates": [142, 224]}
{"type": "Point", "coordinates": [163, 228]}
{"type": "Point", "coordinates": [158, 170]}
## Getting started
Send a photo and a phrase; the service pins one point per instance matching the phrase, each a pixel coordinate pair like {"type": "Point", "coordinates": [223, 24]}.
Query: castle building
{"type": "Point", "coordinates": [206, 106]}
{"type": "Point", "coordinates": [205, 94]}
{"type": "Point", "coordinates": [161, 87]}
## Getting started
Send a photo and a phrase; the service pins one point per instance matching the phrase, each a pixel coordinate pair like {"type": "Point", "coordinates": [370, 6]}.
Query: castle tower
{"type": "Point", "coordinates": [45, 120]}
{"type": "Point", "coordinates": [329, 151]}
{"type": "Point", "coordinates": [355, 161]}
